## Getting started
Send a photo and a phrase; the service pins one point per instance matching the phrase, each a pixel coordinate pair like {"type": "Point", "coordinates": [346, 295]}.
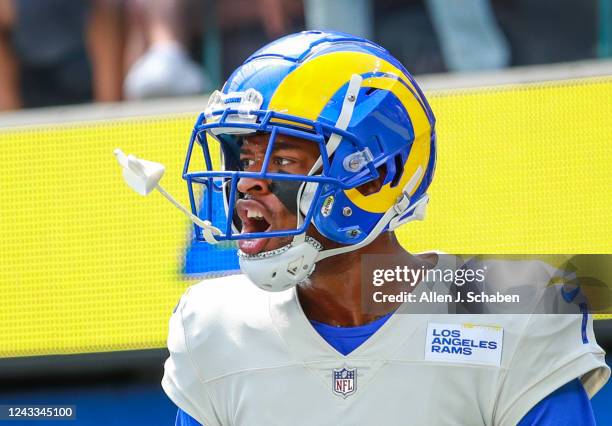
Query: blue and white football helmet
{"type": "Point", "coordinates": [367, 115]}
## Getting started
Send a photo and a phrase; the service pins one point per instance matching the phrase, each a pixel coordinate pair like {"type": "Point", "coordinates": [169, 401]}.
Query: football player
{"type": "Point", "coordinates": [327, 145]}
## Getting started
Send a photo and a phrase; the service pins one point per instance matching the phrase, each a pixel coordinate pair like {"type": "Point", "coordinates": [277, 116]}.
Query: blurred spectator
{"type": "Point", "coordinates": [44, 50]}
{"type": "Point", "coordinates": [532, 33]}
{"type": "Point", "coordinates": [547, 31]}
{"type": "Point", "coordinates": [106, 33]}
{"type": "Point", "coordinates": [467, 32]}
{"type": "Point", "coordinates": [10, 97]}
{"type": "Point", "coordinates": [469, 35]}
{"type": "Point", "coordinates": [64, 51]}
{"type": "Point", "coordinates": [156, 52]}
{"type": "Point", "coordinates": [274, 16]}
{"type": "Point", "coordinates": [160, 35]}
{"type": "Point", "coordinates": [395, 22]}
{"type": "Point", "coordinates": [246, 25]}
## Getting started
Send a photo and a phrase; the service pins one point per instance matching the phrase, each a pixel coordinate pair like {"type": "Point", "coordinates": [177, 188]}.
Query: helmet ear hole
{"type": "Point", "coordinates": [399, 170]}
{"type": "Point", "coordinates": [373, 186]}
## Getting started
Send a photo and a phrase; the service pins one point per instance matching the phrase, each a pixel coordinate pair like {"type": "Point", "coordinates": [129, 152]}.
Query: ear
{"type": "Point", "coordinates": [373, 186]}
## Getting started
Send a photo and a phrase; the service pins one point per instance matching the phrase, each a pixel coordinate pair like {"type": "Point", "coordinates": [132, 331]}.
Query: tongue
{"type": "Point", "coordinates": [253, 246]}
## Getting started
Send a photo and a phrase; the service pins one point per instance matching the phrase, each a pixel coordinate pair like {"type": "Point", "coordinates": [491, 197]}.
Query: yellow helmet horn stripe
{"type": "Point", "coordinates": [382, 200]}
{"type": "Point", "coordinates": [330, 72]}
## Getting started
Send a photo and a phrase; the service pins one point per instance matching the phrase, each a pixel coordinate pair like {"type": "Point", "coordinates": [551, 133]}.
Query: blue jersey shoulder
{"type": "Point", "coordinates": [567, 406]}
{"type": "Point", "coordinates": [184, 419]}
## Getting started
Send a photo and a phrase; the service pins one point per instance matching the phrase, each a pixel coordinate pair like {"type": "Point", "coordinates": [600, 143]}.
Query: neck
{"type": "Point", "coordinates": [338, 292]}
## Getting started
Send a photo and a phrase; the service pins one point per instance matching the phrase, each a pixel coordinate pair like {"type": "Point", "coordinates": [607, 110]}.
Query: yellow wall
{"type": "Point", "coordinates": [86, 265]}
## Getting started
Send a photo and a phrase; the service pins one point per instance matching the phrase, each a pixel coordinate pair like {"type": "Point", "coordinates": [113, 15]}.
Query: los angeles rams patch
{"type": "Point", "coordinates": [464, 343]}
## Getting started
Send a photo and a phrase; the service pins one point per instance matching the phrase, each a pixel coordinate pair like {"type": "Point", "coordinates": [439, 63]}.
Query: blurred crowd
{"type": "Point", "coordinates": [65, 51]}
{"type": "Point", "coordinates": [55, 52]}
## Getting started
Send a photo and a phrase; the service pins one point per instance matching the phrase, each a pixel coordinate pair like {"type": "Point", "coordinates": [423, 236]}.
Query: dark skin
{"type": "Point", "coordinates": [324, 297]}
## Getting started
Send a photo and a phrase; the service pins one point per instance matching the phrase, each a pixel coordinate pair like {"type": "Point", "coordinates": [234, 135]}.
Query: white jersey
{"type": "Point", "coordinates": [242, 356]}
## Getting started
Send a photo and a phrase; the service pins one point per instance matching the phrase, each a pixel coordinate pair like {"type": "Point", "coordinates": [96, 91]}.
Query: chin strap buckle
{"type": "Point", "coordinates": [418, 213]}
{"type": "Point", "coordinates": [402, 206]}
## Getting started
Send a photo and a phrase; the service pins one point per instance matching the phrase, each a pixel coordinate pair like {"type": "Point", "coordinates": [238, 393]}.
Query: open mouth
{"type": "Point", "coordinates": [255, 218]}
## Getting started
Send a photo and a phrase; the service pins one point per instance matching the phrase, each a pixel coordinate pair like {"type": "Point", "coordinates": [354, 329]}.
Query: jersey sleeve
{"type": "Point", "coordinates": [181, 380]}
{"type": "Point", "coordinates": [552, 350]}
{"type": "Point", "coordinates": [567, 406]}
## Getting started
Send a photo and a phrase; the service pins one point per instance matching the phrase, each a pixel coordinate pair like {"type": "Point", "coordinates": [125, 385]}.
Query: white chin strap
{"type": "Point", "coordinates": [283, 268]}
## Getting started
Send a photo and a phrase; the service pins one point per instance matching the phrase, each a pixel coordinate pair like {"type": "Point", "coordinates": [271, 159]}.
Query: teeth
{"type": "Point", "coordinates": [254, 214]}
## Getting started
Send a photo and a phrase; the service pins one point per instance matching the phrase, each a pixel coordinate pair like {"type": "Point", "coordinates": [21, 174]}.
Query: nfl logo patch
{"type": "Point", "coordinates": [344, 382]}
